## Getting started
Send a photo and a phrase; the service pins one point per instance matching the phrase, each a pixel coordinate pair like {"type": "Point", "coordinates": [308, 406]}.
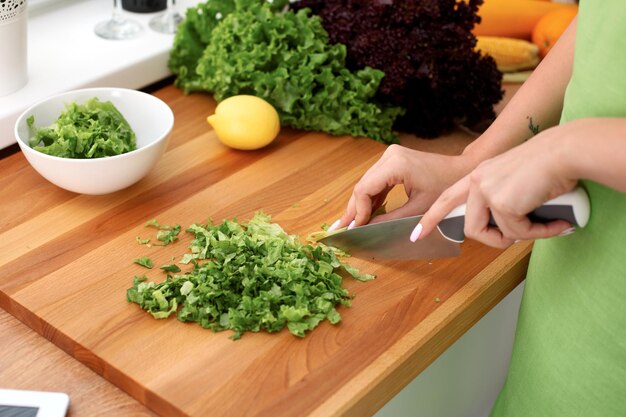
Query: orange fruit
{"type": "Point", "coordinates": [550, 28]}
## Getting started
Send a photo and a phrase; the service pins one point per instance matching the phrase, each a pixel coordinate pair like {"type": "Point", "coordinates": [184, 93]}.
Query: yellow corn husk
{"type": "Point", "coordinates": [518, 77]}
{"type": "Point", "coordinates": [510, 54]}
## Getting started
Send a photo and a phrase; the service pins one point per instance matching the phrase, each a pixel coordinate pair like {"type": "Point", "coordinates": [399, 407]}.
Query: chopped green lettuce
{"type": "Point", "coordinates": [250, 277]}
{"type": "Point", "coordinates": [166, 234]}
{"type": "Point", "coordinates": [141, 241]}
{"type": "Point", "coordinates": [354, 272]}
{"type": "Point", "coordinates": [171, 268]}
{"type": "Point", "coordinates": [93, 129]}
{"type": "Point", "coordinates": [144, 261]}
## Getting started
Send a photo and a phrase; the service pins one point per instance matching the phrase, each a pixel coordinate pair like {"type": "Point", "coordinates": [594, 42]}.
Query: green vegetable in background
{"type": "Point", "coordinates": [426, 50]}
{"type": "Point", "coordinates": [284, 58]}
{"type": "Point", "coordinates": [254, 277]}
{"type": "Point", "coordinates": [194, 34]}
{"type": "Point", "coordinates": [93, 129]}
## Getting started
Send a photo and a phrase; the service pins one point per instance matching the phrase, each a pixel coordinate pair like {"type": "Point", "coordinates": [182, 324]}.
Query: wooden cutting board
{"type": "Point", "coordinates": [66, 262]}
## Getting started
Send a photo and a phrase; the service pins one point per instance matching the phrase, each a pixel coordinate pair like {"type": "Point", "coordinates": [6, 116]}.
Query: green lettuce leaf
{"type": "Point", "coordinates": [284, 58]}
{"type": "Point", "coordinates": [193, 35]}
{"type": "Point", "coordinates": [93, 129]}
{"type": "Point", "coordinates": [249, 277]}
{"type": "Point", "coordinates": [144, 261]}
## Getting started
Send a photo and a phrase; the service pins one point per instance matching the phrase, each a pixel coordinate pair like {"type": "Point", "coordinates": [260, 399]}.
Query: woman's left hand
{"type": "Point", "coordinates": [509, 186]}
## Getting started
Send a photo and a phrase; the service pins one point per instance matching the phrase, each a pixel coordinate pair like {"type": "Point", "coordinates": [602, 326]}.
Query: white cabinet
{"type": "Point", "coordinates": [466, 379]}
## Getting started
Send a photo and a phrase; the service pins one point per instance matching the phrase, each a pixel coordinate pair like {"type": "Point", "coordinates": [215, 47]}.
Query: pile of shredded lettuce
{"type": "Point", "coordinates": [93, 129]}
{"type": "Point", "coordinates": [250, 277]}
{"type": "Point", "coordinates": [230, 47]}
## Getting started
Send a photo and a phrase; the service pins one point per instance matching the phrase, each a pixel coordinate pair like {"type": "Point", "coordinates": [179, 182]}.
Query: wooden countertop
{"type": "Point", "coordinates": [394, 329]}
{"type": "Point", "coordinates": [30, 362]}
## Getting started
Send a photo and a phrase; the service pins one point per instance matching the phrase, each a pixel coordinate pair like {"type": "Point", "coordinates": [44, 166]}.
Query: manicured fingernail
{"type": "Point", "coordinates": [517, 241]}
{"type": "Point", "coordinates": [567, 231]}
{"type": "Point", "coordinates": [351, 225]}
{"type": "Point", "coordinates": [416, 233]}
{"type": "Point", "coordinates": [334, 226]}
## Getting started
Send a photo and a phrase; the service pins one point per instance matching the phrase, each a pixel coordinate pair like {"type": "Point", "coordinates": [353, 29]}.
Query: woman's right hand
{"type": "Point", "coordinates": [424, 177]}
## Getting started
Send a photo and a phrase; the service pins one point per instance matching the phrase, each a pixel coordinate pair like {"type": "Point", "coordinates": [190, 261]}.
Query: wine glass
{"type": "Point", "coordinates": [168, 21]}
{"type": "Point", "coordinates": [118, 27]}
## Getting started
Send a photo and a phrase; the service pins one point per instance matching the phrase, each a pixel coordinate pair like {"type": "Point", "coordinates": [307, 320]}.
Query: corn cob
{"type": "Point", "coordinates": [510, 54]}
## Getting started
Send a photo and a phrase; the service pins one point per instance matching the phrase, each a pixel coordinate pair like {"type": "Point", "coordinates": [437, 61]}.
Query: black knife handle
{"type": "Point", "coordinates": [572, 207]}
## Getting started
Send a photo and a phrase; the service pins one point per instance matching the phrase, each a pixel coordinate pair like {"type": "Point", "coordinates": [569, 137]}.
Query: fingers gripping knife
{"type": "Point", "coordinates": [390, 239]}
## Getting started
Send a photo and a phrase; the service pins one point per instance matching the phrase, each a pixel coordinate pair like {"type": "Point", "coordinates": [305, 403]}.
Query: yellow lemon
{"type": "Point", "coordinates": [245, 122]}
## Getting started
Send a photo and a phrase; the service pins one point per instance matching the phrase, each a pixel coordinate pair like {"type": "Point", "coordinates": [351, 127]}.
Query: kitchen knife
{"type": "Point", "coordinates": [390, 239]}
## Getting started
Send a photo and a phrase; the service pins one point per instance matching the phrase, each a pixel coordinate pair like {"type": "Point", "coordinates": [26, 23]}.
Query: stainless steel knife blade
{"type": "Point", "coordinates": [390, 240]}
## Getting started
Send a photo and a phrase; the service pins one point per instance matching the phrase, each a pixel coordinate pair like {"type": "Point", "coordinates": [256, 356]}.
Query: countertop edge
{"type": "Point", "coordinates": [381, 380]}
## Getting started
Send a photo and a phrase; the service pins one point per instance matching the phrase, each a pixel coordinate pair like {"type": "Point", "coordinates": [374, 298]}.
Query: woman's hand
{"type": "Point", "coordinates": [423, 175]}
{"type": "Point", "coordinates": [510, 186]}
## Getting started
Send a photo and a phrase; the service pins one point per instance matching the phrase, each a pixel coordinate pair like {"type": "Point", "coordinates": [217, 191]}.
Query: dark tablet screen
{"type": "Point", "coordinates": [13, 411]}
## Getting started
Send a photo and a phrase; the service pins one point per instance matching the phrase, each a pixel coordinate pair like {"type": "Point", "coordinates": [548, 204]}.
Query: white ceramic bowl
{"type": "Point", "coordinates": [150, 118]}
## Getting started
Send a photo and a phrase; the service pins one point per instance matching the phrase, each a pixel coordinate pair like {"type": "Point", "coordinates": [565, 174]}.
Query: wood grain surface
{"type": "Point", "coordinates": [66, 262]}
{"type": "Point", "coordinates": [30, 362]}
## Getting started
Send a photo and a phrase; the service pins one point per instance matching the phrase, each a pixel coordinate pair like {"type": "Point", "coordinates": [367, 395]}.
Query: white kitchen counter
{"type": "Point", "coordinates": [64, 53]}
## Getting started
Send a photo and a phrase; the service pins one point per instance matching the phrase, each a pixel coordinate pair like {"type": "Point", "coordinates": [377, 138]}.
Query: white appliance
{"type": "Point", "coordinates": [13, 46]}
{"type": "Point", "coordinates": [65, 54]}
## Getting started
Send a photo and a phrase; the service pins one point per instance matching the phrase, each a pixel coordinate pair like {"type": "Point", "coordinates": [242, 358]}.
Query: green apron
{"type": "Point", "coordinates": [569, 356]}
